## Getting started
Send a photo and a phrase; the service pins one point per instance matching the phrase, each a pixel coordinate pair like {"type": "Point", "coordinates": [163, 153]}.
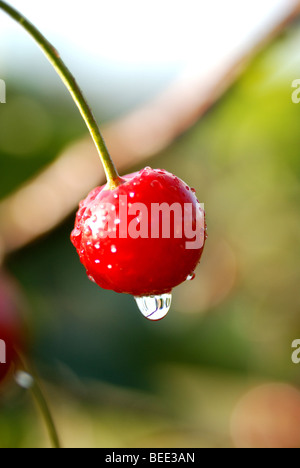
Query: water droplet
{"type": "Point", "coordinates": [131, 194]}
{"type": "Point", "coordinates": [191, 277]}
{"type": "Point", "coordinates": [76, 238]}
{"type": "Point", "coordinates": [87, 231]}
{"type": "Point", "coordinates": [97, 246]}
{"type": "Point", "coordinates": [24, 379]}
{"type": "Point", "coordinates": [155, 184]}
{"type": "Point", "coordinates": [117, 221]}
{"type": "Point", "coordinates": [154, 307]}
{"type": "Point", "coordinates": [109, 267]}
{"type": "Point", "coordinates": [146, 169]}
{"type": "Point", "coordinates": [76, 232]}
{"type": "Point", "coordinates": [92, 278]}
{"type": "Point", "coordinates": [97, 262]}
{"type": "Point", "coordinates": [113, 249]}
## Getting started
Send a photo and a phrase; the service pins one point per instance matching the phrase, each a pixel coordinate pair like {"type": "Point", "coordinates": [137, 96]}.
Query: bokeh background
{"type": "Point", "coordinates": [202, 89]}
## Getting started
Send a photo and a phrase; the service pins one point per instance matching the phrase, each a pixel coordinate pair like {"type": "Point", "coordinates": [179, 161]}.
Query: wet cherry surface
{"type": "Point", "coordinates": [133, 257]}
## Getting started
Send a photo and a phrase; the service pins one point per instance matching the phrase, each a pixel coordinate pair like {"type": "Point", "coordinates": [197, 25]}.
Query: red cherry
{"type": "Point", "coordinates": [10, 324]}
{"type": "Point", "coordinates": [138, 257]}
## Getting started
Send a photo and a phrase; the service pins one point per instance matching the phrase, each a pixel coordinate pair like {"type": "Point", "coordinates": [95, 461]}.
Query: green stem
{"type": "Point", "coordinates": [45, 410]}
{"type": "Point", "coordinates": [41, 401]}
{"type": "Point", "coordinates": [53, 56]}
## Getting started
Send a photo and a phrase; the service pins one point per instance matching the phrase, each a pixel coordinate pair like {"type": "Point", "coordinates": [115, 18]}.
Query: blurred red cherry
{"type": "Point", "coordinates": [268, 416]}
{"type": "Point", "coordinates": [11, 324]}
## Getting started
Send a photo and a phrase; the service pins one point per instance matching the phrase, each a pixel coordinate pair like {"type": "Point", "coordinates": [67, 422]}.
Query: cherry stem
{"type": "Point", "coordinates": [68, 79]}
{"type": "Point", "coordinates": [41, 402]}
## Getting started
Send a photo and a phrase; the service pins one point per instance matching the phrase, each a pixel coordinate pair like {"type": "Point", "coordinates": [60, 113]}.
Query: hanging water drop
{"type": "Point", "coordinates": [154, 307]}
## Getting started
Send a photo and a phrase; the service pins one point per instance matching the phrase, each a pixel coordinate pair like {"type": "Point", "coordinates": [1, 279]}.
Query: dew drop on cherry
{"type": "Point", "coordinates": [76, 232]}
{"type": "Point", "coordinates": [87, 231]}
{"type": "Point", "coordinates": [154, 307]}
{"type": "Point", "coordinates": [92, 278]}
{"type": "Point", "coordinates": [191, 277]}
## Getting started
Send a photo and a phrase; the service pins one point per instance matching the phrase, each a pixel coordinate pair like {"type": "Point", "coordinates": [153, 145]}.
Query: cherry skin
{"type": "Point", "coordinates": [138, 257]}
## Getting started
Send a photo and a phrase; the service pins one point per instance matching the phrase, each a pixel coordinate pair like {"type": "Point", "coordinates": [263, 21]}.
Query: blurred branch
{"type": "Point", "coordinates": [52, 195]}
{"type": "Point", "coordinates": [27, 379]}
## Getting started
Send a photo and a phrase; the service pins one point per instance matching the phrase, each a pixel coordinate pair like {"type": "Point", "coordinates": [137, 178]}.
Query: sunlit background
{"type": "Point", "coordinates": [217, 371]}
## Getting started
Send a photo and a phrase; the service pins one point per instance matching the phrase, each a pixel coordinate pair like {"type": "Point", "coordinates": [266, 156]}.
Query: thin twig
{"type": "Point", "coordinates": [41, 401]}
{"type": "Point", "coordinates": [71, 84]}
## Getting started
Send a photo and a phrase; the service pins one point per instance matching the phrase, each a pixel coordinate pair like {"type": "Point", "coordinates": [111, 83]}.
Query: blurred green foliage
{"type": "Point", "coordinates": [34, 128]}
{"type": "Point", "coordinates": [128, 382]}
